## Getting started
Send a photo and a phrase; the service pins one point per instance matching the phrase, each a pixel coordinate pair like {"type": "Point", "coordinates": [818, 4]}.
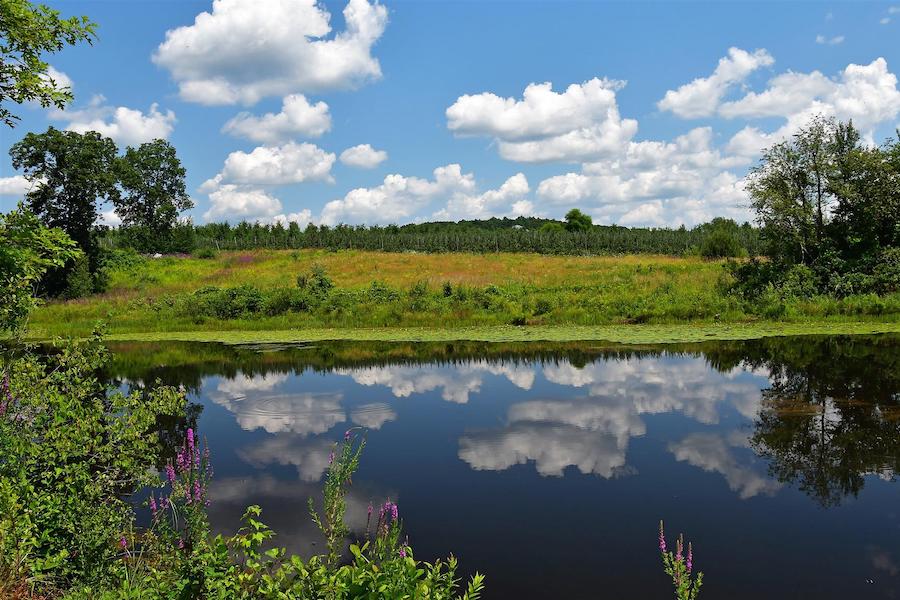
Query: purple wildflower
{"type": "Point", "coordinates": [197, 491]}
{"type": "Point", "coordinates": [170, 473]}
{"type": "Point", "coordinates": [394, 512]}
{"type": "Point", "coordinates": [662, 538]}
{"type": "Point", "coordinates": [690, 558]}
{"type": "Point", "coordinates": [153, 507]}
{"type": "Point", "coordinates": [403, 552]}
{"type": "Point", "coordinates": [679, 546]}
{"type": "Point", "coordinates": [190, 440]}
{"type": "Point", "coordinates": [331, 458]}
{"type": "Point", "coordinates": [347, 435]}
{"type": "Point", "coordinates": [123, 543]}
{"type": "Point", "coordinates": [370, 510]}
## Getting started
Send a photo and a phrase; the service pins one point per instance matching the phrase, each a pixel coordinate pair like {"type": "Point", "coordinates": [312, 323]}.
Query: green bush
{"type": "Point", "coordinates": [205, 253]}
{"type": "Point", "coordinates": [316, 282]}
{"type": "Point", "coordinates": [79, 281]}
{"type": "Point", "coordinates": [71, 451]}
{"type": "Point", "coordinates": [721, 244]}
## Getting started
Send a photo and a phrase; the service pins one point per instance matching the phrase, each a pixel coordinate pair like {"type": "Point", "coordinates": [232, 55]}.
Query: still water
{"type": "Point", "coordinates": [549, 466]}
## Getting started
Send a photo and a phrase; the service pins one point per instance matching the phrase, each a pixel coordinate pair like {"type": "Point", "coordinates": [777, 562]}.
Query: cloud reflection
{"type": "Point", "coordinates": [256, 406]}
{"type": "Point", "coordinates": [714, 453]}
{"type": "Point", "coordinates": [456, 383]}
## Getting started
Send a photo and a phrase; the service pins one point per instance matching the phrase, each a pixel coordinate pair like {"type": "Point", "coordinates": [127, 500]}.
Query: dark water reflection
{"type": "Point", "coordinates": [549, 466]}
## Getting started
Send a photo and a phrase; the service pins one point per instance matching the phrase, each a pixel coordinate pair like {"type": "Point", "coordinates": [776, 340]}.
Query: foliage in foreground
{"type": "Point", "coordinates": [72, 452]}
{"type": "Point", "coordinates": [680, 567]}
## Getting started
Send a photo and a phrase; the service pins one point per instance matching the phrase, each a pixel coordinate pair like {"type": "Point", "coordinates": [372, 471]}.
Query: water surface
{"type": "Point", "coordinates": [548, 466]}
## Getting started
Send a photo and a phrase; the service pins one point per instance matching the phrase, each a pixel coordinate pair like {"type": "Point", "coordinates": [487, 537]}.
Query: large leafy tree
{"type": "Point", "coordinates": [830, 210]}
{"type": "Point", "coordinates": [72, 174]}
{"type": "Point", "coordinates": [27, 33]}
{"type": "Point", "coordinates": [27, 251]}
{"type": "Point", "coordinates": [153, 190]}
{"type": "Point", "coordinates": [577, 221]}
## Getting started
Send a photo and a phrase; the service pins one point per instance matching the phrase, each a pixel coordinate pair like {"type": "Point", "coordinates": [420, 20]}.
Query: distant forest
{"type": "Point", "coordinates": [720, 237]}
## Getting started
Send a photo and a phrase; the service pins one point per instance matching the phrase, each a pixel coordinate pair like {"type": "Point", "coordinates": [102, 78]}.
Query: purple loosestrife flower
{"type": "Point", "coordinates": [123, 543]}
{"type": "Point", "coordinates": [403, 552]}
{"type": "Point", "coordinates": [331, 458]}
{"type": "Point", "coordinates": [190, 440]}
{"type": "Point", "coordinates": [170, 473]}
{"type": "Point", "coordinates": [679, 546]}
{"type": "Point", "coordinates": [347, 435]}
{"type": "Point", "coordinates": [153, 507]}
{"type": "Point", "coordinates": [662, 538]}
{"type": "Point", "coordinates": [394, 512]}
{"type": "Point", "coordinates": [690, 558]}
{"type": "Point", "coordinates": [198, 491]}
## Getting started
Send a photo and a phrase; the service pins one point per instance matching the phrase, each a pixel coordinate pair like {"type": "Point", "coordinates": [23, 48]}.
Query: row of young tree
{"type": "Point", "coordinates": [721, 237]}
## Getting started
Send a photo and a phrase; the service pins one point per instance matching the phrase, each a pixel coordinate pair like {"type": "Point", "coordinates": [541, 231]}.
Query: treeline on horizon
{"type": "Point", "coordinates": [719, 237]}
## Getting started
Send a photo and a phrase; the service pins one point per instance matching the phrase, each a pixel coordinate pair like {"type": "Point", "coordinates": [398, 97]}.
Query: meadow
{"type": "Point", "coordinates": [379, 295]}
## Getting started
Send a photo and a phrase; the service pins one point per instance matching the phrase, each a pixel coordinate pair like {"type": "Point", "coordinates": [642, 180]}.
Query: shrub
{"type": "Point", "coordinates": [79, 282]}
{"type": "Point", "coordinates": [316, 282]}
{"type": "Point", "coordinates": [721, 244]}
{"type": "Point", "coordinates": [205, 253]}
{"type": "Point", "coordinates": [886, 274]}
{"type": "Point", "coordinates": [71, 451]}
{"type": "Point", "coordinates": [381, 293]}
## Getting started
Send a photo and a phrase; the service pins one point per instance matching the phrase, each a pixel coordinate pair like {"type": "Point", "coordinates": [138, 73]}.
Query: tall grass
{"type": "Point", "coordinates": [375, 289]}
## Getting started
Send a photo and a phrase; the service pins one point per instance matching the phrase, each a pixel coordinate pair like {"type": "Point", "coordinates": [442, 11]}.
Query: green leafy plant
{"type": "Point", "coordinates": [680, 567]}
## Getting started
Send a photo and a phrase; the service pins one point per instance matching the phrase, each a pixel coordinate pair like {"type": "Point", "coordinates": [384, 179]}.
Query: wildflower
{"type": "Point", "coordinates": [662, 538]}
{"type": "Point", "coordinates": [197, 491]}
{"type": "Point", "coordinates": [331, 458]}
{"type": "Point", "coordinates": [403, 552]}
{"type": "Point", "coordinates": [190, 440]}
{"type": "Point", "coordinates": [153, 507]}
{"type": "Point", "coordinates": [123, 543]}
{"type": "Point", "coordinates": [690, 558]}
{"type": "Point", "coordinates": [679, 546]}
{"type": "Point", "coordinates": [347, 435]}
{"type": "Point", "coordinates": [394, 512]}
{"type": "Point", "coordinates": [170, 473]}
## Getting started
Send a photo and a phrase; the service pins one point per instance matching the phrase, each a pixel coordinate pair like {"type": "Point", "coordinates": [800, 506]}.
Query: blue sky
{"type": "Point", "coordinates": [668, 107]}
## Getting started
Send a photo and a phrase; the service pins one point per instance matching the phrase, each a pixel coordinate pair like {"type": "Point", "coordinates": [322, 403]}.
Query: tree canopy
{"type": "Point", "coordinates": [27, 34]}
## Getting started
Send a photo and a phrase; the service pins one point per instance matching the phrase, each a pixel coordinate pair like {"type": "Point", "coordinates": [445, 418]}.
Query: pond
{"type": "Point", "coordinates": [549, 466]}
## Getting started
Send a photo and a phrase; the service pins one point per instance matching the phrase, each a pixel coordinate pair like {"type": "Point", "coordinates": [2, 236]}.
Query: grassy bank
{"type": "Point", "coordinates": [254, 296]}
{"type": "Point", "coordinates": [624, 334]}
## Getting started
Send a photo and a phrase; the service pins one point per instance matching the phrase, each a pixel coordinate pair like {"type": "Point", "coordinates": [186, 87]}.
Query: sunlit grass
{"type": "Point", "coordinates": [535, 290]}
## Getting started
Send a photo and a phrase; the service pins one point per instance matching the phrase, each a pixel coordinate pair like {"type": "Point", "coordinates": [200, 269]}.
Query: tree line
{"type": "Point", "coordinates": [524, 234]}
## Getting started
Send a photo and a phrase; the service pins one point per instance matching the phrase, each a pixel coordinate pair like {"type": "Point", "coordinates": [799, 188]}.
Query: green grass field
{"type": "Point", "coordinates": [635, 298]}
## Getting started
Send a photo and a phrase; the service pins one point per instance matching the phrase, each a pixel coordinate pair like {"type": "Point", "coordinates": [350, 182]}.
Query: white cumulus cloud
{"type": "Point", "coordinates": [579, 124]}
{"type": "Point", "coordinates": [701, 97]}
{"type": "Point", "coordinates": [397, 198]}
{"type": "Point", "coordinates": [297, 118]}
{"type": "Point", "coordinates": [656, 183]}
{"type": "Point", "coordinates": [363, 156]}
{"type": "Point", "coordinates": [231, 202]}
{"type": "Point", "coordinates": [16, 185]}
{"type": "Point", "coordinates": [240, 51]}
{"type": "Point", "coordinates": [867, 94]}
{"type": "Point", "coordinates": [125, 125]}
{"type": "Point", "coordinates": [274, 165]}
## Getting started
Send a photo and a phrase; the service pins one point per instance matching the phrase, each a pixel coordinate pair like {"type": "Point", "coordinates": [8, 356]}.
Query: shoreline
{"type": "Point", "coordinates": [625, 334]}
